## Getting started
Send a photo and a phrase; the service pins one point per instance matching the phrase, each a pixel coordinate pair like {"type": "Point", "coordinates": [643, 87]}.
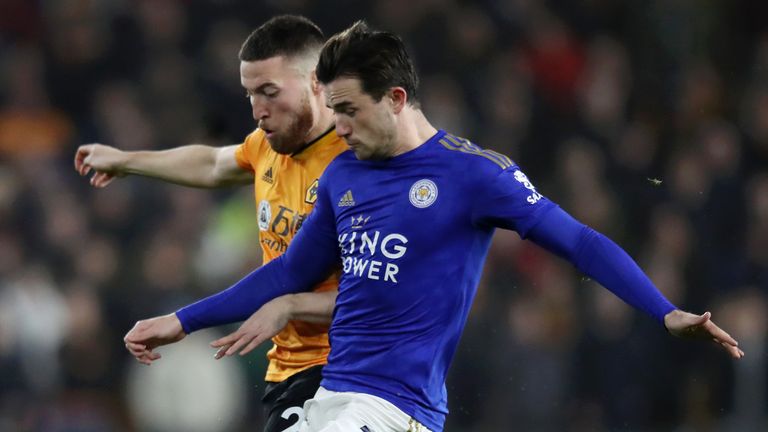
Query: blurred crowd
{"type": "Point", "coordinates": [647, 120]}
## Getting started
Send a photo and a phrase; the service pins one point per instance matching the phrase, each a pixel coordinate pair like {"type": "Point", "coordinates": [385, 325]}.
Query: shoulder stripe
{"type": "Point", "coordinates": [504, 159]}
{"type": "Point", "coordinates": [491, 155]}
{"type": "Point", "coordinates": [467, 150]}
{"type": "Point", "coordinates": [457, 144]}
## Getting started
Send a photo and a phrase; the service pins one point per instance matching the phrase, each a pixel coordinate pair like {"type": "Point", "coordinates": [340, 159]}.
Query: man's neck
{"type": "Point", "coordinates": [414, 130]}
{"type": "Point", "coordinates": [322, 125]}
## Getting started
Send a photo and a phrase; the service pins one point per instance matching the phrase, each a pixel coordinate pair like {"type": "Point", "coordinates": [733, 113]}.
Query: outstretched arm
{"type": "Point", "coordinates": [265, 323]}
{"type": "Point", "coordinates": [603, 260]}
{"type": "Point", "coordinates": [309, 259]}
{"type": "Point", "coordinates": [192, 165]}
{"type": "Point", "coordinates": [271, 318]}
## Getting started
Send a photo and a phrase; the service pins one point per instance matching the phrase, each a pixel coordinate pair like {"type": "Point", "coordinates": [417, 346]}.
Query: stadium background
{"type": "Point", "coordinates": [598, 101]}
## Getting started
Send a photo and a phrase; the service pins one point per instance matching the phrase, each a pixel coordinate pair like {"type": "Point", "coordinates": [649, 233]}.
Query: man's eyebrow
{"type": "Point", "coordinates": [340, 106]}
{"type": "Point", "coordinates": [262, 87]}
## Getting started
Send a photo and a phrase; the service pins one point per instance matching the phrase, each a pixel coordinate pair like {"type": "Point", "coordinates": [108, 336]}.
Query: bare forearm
{"type": "Point", "coordinates": [315, 307]}
{"type": "Point", "coordinates": [193, 165]}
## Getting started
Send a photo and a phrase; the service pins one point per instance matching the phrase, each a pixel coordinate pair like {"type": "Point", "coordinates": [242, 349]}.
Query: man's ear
{"type": "Point", "coordinates": [316, 86]}
{"type": "Point", "coordinates": [398, 97]}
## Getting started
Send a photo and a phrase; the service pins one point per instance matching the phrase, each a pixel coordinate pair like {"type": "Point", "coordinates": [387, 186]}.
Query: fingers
{"type": "Point", "coordinates": [226, 340]}
{"type": "Point", "coordinates": [220, 353]}
{"type": "Point", "coordinates": [136, 349]}
{"type": "Point", "coordinates": [722, 338]}
{"type": "Point", "coordinates": [225, 343]}
{"type": "Point", "coordinates": [84, 164]}
{"type": "Point", "coordinates": [82, 167]}
{"type": "Point", "coordinates": [704, 317]}
{"type": "Point", "coordinates": [238, 341]}
{"type": "Point", "coordinates": [733, 351]}
{"type": "Point", "coordinates": [720, 334]}
{"type": "Point", "coordinates": [81, 159]}
{"type": "Point", "coordinates": [693, 321]}
{"type": "Point", "coordinates": [142, 353]}
{"type": "Point", "coordinates": [148, 358]}
{"type": "Point", "coordinates": [142, 333]}
{"type": "Point", "coordinates": [251, 346]}
{"type": "Point", "coordinates": [101, 179]}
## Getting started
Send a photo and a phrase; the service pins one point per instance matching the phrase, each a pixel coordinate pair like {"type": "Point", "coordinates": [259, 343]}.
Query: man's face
{"type": "Point", "coordinates": [368, 127]}
{"type": "Point", "coordinates": [279, 92]}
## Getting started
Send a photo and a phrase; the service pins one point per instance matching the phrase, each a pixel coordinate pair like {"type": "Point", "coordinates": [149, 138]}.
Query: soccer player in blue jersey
{"type": "Point", "coordinates": [408, 214]}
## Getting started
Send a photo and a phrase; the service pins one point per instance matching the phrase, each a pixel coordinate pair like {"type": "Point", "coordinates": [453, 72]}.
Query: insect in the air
{"type": "Point", "coordinates": [654, 181]}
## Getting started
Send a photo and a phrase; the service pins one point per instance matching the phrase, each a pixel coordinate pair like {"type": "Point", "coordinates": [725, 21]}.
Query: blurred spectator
{"type": "Point", "coordinates": [190, 391]}
{"type": "Point", "coordinates": [646, 120]}
{"type": "Point", "coordinates": [605, 87]}
{"type": "Point", "coordinates": [29, 126]}
{"type": "Point", "coordinates": [746, 315]}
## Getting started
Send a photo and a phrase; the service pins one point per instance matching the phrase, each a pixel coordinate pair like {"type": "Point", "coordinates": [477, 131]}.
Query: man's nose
{"type": "Point", "coordinates": [343, 128]}
{"type": "Point", "coordinates": [259, 111]}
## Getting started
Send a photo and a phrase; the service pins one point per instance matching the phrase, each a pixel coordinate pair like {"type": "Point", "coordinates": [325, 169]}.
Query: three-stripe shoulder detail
{"type": "Point", "coordinates": [465, 146]}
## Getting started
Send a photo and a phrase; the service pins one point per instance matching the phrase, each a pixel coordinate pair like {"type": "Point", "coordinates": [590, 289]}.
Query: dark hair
{"type": "Point", "coordinates": [377, 58]}
{"type": "Point", "coordinates": [285, 35]}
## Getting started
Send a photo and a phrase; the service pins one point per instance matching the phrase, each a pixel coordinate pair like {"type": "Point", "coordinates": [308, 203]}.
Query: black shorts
{"type": "Point", "coordinates": [284, 401]}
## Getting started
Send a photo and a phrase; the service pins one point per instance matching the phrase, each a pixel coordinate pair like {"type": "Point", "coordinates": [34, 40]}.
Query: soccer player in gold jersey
{"type": "Point", "coordinates": [284, 157]}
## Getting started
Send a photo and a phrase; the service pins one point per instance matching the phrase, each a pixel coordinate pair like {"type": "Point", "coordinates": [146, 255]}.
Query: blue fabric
{"type": "Point", "coordinates": [300, 268]}
{"type": "Point", "coordinates": [411, 234]}
{"type": "Point", "coordinates": [601, 259]}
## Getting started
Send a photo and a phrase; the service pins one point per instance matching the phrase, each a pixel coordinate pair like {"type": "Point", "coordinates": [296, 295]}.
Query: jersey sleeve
{"type": "Point", "coordinates": [508, 200]}
{"type": "Point", "coordinates": [511, 201]}
{"type": "Point", "coordinates": [246, 153]}
{"type": "Point", "coordinates": [601, 259]}
{"type": "Point", "coordinates": [310, 258]}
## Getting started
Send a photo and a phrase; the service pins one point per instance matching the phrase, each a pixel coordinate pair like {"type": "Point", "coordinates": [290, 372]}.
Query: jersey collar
{"type": "Point", "coordinates": [303, 152]}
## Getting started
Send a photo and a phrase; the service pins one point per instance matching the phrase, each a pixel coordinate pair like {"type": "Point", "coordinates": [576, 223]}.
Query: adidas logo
{"type": "Point", "coordinates": [267, 177]}
{"type": "Point", "coordinates": [347, 200]}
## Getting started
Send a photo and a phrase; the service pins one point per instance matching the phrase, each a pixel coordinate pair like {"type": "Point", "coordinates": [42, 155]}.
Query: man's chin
{"type": "Point", "coordinates": [361, 154]}
{"type": "Point", "coordinates": [279, 146]}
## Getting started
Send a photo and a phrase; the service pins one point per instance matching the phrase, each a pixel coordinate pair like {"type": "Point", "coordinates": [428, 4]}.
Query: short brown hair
{"type": "Point", "coordinates": [286, 35]}
{"type": "Point", "coordinates": [377, 58]}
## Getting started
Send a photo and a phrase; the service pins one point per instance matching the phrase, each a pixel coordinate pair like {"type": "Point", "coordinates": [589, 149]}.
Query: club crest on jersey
{"type": "Point", "coordinates": [423, 193]}
{"type": "Point", "coordinates": [311, 195]}
{"type": "Point", "coordinates": [265, 215]}
{"type": "Point", "coordinates": [268, 177]}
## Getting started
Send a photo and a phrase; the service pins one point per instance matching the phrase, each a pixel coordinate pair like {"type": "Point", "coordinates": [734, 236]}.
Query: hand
{"type": "Point", "coordinates": [149, 334]}
{"type": "Point", "coordinates": [106, 161]}
{"type": "Point", "coordinates": [265, 323]}
{"type": "Point", "coordinates": [687, 325]}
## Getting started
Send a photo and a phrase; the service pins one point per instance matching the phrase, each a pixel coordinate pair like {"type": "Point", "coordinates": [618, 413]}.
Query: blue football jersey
{"type": "Point", "coordinates": [410, 234]}
{"type": "Point", "coordinates": [413, 232]}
